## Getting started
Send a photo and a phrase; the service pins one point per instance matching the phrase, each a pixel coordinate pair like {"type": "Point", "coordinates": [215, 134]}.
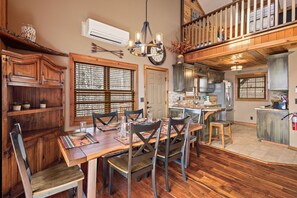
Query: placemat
{"type": "Point", "coordinates": [107, 127]}
{"type": "Point", "coordinates": [69, 143]}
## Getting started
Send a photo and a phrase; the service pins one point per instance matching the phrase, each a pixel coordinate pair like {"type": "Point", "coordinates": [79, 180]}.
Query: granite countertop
{"type": "Point", "coordinates": [270, 109]}
{"type": "Point", "coordinates": [203, 107]}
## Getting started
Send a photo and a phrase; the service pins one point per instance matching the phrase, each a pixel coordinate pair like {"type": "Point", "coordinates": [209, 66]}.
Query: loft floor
{"type": "Point", "coordinates": [245, 143]}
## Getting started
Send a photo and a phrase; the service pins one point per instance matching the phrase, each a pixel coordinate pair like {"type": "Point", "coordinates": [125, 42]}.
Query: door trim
{"type": "Point", "coordinates": [161, 69]}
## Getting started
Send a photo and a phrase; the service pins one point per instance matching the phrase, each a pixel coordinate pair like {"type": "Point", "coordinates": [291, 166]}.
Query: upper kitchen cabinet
{"type": "Point", "coordinates": [278, 72]}
{"type": "Point", "coordinates": [183, 77]}
{"type": "Point", "coordinates": [215, 76]}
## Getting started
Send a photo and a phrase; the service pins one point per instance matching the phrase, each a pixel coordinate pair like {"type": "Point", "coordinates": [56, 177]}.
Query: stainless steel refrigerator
{"type": "Point", "coordinates": [224, 92]}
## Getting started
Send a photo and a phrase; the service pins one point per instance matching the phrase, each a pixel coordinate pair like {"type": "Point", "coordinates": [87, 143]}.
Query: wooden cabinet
{"type": "Point", "coordinates": [183, 77]}
{"type": "Point", "coordinates": [31, 78]}
{"type": "Point", "coordinates": [270, 127]}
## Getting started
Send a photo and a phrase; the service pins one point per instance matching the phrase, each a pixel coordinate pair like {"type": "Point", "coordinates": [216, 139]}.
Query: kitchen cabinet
{"type": "Point", "coordinates": [183, 77]}
{"type": "Point", "coordinates": [278, 72]}
{"type": "Point", "coordinates": [270, 127]}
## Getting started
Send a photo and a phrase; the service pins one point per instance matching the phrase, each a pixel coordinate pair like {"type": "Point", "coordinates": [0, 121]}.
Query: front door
{"type": "Point", "coordinates": [156, 92]}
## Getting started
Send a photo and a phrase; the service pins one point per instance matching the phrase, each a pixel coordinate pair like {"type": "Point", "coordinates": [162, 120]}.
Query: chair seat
{"type": "Point", "coordinates": [55, 177]}
{"type": "Point", "coordinates": [121, 163]}
{"type": "Point", "coordinates": [162, 151]}
{"type": "Point", "coordinates": [224, 123]}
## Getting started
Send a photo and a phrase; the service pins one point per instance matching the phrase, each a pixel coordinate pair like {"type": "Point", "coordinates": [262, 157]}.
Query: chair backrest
{"type": "Point", "coordinates": [133, 115]}
{"type": "Point", "coordinates": [195, 114]}
{"type": "Point", "coordinates": [21, 158]}
{"type": "Point", "coordinates": [146, 150]}
{"type": "Point", "coordinates": [98, 116]}
{"type": "Point", "coordinates": [181, 128]}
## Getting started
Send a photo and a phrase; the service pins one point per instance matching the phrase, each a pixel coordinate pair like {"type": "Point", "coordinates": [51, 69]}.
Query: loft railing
{"type": "Point", "coordinates": [237, 20]}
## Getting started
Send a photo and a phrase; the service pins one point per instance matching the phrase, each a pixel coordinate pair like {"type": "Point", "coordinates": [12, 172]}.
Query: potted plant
{"type": "Point", "coordinates": [26, 105]}
{"type": "Point", "coordinates": [16, 106]}
{"type": "Point", "coordinates": [43, 103]}
{"type": "Point", "coordinates": [180, 48]}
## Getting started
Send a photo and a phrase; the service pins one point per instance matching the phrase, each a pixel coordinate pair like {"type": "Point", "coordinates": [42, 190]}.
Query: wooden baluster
{"type": "Point", "coordinates": [293, 10]}
{"type": "Point", "coordinates": [261, 14]}
{"type": "Point", "coordinates": [183, 33]}
{"type": "Point", "coordinates": [216, 28]}
{"type": "Point", "coordinates": [231, 25]}
{"type": "Point", "coordinates": [242, 17]}
{"type": "Point", "coordinates": [284, 11]}
{"type": "Point", "coordinates": [199, 33]}
{"type": "Point", "coordinates": [186, 32]}
{"type": "Point", "coordinates": [268, 13]}
{"type": "Point", "coordinates": [207, 30]}
{"type": "Point", "coordinates": [276, 12]}
{"type": "Point", "coordinates": [255, 14]}
{"type": "Point", "coordinates": [211, 28]}
{"type": "Point", "coordinates": [236, 20]}
{"type": "Point", "coordinates": [248, 16]}
{"type": "Point", "coordinates": [193, 34]}
{"type": "Point", "coordinates": [196, 33]}
{"type": "Point", "coordinates": [221, 25]}
{"type": "Point", "coordinates": [226, 27]}
{"type": "Point", "coordinates": [203, 31]}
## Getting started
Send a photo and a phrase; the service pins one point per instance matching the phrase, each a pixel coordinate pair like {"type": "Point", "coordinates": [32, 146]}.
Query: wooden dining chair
{"type": "Point", "coordinates": [195, 115]}
{"type": "Point", "coordinates": [140, 161]}
{"type": "Point", "coordinates": [174, 148]}
{"type": "Point", "coordinates": [110, 117]}
{"type": "Point", "coordinates": [47, 182]}
{"type": "Point", "coordinates": [133, 115]}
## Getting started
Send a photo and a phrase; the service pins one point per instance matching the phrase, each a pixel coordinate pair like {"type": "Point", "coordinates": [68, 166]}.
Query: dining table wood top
{"type": "Point", "coordinates": [106, 144]}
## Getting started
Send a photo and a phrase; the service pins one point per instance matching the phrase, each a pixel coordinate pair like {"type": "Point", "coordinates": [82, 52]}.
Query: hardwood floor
{"type": "Point", "coordinates": [216, 173]}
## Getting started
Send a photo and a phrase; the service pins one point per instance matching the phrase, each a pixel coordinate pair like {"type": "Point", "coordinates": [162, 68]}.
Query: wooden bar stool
{"type": "Point", "coordinates": [220, 124]}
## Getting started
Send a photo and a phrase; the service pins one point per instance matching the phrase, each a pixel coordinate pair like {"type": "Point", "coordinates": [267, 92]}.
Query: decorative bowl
{"type": "Point", "coordinates": [78, 135]}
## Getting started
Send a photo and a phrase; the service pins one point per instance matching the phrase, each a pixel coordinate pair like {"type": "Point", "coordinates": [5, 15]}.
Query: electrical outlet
{"type": "Point", "coordinates": [295, 100]}
{"type": "Point", "coordinates": [251, 118]}
{"type": "Point", "coordinates": [142, 99]}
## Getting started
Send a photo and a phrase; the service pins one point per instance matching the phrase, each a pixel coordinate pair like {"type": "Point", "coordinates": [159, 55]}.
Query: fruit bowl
{"type": "Point", "coordinates": [78, 135]}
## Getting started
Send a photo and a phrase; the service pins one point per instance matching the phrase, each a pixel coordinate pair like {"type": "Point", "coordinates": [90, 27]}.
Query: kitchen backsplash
{"type": "Point", "coordinates": [174, 97]}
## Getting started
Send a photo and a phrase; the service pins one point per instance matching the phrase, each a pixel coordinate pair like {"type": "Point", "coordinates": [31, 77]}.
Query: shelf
{"type": "Point", "coordinates": [32, 111]}
{"type": "Point", "coordinates": [16, 41]}
{"type": "Point", "coordinates": [22, 84]}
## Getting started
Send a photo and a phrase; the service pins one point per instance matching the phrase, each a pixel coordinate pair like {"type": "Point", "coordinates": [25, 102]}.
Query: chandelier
{"type": "Point", "coordinates": [140, 47]}
{"type": "Point", "coordinates": [236, 67]}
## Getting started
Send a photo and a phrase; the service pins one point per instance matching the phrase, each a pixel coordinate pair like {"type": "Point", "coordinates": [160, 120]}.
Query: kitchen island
{"type": "Point", "coordinates": [209, 113]}
{"type": "Point", "coordinates": [270, 127]}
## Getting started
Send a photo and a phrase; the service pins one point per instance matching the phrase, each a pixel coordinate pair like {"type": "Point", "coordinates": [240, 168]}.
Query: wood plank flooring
{"type": "Point", "coordinates": [216, 173]}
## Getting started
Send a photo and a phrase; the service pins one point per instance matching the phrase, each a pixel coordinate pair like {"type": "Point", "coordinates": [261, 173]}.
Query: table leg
{"type": "Point", "coordinates": [92, 175]}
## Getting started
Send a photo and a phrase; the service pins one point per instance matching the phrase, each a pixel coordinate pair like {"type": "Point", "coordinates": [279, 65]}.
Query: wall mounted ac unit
{"type": "Point", "coordinates": [103, 32]}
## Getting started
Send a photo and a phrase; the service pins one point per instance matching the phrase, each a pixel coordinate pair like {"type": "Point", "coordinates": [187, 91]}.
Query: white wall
{"type": "Point", "coordinates": [58, 26]}
{"type": "Point", "coordinates": [243, 110]}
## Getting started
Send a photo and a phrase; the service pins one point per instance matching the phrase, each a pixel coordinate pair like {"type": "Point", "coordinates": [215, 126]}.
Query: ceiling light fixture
{"type": "Point", "coordinates": [140, 47]}
{"type": "Point", "coordinates": [236, 67]}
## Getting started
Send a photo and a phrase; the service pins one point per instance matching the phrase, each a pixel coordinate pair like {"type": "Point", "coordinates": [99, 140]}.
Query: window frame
{"type": "Point", "coordinates": [74, 121]}
{"type": "Point", "coordinates": [255, 75]}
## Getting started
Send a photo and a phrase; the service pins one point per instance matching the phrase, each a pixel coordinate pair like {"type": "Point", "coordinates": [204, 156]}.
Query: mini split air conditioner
{"type": "Point", "coordinates": [103, 32]}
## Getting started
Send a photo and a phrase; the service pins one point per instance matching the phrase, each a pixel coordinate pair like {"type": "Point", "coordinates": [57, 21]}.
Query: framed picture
{"type": "Point", "coordinates": [195, 14]}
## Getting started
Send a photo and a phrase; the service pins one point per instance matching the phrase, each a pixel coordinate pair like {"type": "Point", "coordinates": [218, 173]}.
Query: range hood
{"type": "Point", "coordinates": [278, 72]}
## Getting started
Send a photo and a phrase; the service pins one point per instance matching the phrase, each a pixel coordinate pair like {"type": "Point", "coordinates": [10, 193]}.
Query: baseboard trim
{"type": "Point", "coordinates": [292, 148]}
{"type": "Point", "coordinates": [245, 124]}
{"type": "Point", "coordinates": [274, 143]}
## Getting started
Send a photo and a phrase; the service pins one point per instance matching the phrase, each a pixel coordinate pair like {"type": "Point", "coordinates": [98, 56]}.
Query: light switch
{"type": "Point", "coordinates": [142, 99]}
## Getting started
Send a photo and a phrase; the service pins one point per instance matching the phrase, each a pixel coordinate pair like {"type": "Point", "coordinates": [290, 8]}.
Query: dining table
{"type": "Point", "coordinates": [107, 143]}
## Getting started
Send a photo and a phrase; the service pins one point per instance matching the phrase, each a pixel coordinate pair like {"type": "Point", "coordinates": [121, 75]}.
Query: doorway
{"type": "Point", "coordinates": [156, 91]}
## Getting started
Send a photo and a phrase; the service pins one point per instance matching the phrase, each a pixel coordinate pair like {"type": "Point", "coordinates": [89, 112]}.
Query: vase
{"type": "Point", "coordinates": [180, 59]}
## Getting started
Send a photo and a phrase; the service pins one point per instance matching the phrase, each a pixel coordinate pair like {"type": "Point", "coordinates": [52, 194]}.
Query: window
{"type": "Point", "coordinates": [251, 87]}
{"type": "Point", "coordinates": [100, 86]}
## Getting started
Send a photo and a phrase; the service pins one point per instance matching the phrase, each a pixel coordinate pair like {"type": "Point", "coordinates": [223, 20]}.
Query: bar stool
{"type": "Point", "coordinates": [220, 124]}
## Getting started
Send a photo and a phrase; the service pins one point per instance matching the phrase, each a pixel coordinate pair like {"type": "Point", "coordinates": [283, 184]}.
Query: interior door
{"type": "Point", "coordinates": [156, 92]}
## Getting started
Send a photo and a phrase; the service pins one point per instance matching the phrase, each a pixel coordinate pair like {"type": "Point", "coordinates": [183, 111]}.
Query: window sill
{"type": "Point", "coordinates": [251, 99]}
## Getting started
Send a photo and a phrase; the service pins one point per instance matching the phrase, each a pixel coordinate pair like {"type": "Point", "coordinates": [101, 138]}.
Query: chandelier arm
{"type": "Point", "coordinates": [148, 27]}
{"type": "Point", "coordinates": [146, 10]}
